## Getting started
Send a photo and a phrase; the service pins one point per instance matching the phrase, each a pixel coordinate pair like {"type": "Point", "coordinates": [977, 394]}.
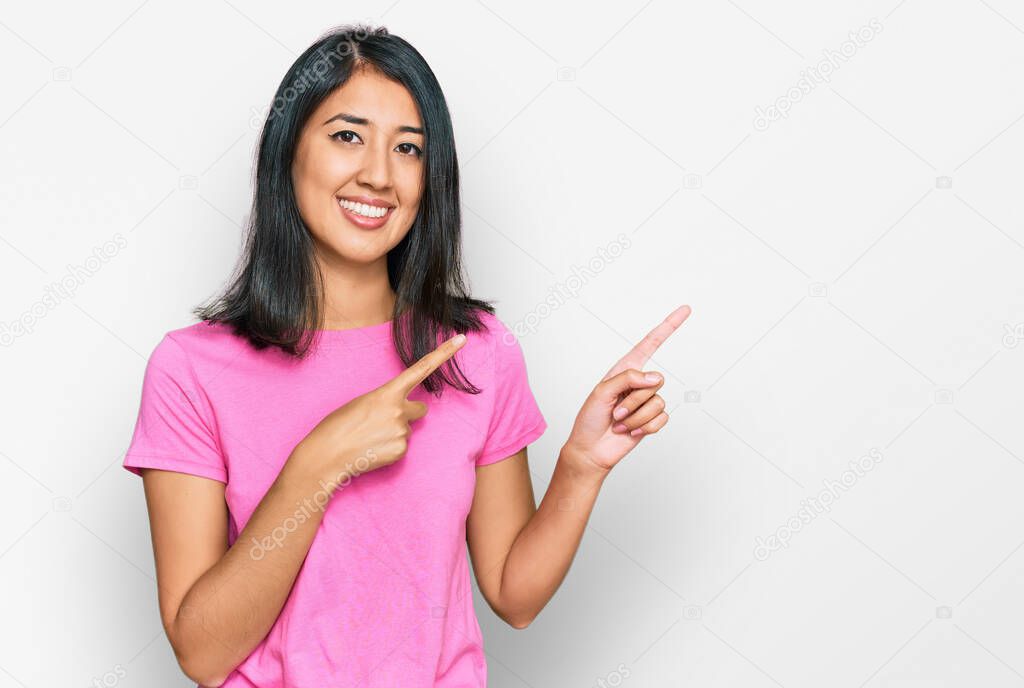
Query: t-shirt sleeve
{"type": "Point", "coordinates": [173, 429]}
{"type": "Point", "coordinates": [516, 419]}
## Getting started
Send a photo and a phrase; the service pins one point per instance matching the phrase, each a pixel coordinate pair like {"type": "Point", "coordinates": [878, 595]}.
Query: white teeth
{"type": "Point", "coordinates": [363, 209]}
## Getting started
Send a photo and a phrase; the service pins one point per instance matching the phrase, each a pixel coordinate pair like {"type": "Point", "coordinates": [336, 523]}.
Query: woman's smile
{"type": "Point", "coordinates": [365, 213]}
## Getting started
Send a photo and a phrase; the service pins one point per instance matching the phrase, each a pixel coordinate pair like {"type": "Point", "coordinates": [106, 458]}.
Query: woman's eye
{"type": "Point", "coordinates": [345, 135]}
{"type": "Point", "coordinates": [411, 149]}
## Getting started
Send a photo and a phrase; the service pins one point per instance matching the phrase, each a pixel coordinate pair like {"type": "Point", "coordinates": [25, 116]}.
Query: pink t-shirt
{"type": "Point", "coordinates": [384, 596]}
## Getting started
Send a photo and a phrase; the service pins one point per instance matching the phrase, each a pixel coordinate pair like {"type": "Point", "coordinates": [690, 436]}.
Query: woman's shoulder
{"type": "Point", "coordinates": [495, 329]}
{"type": "Point", "coordinates": [501, 340]}
{"type": "Point", "coordinates": [204, 335]}
{"type": "Point", "coordinates": [180, 347]}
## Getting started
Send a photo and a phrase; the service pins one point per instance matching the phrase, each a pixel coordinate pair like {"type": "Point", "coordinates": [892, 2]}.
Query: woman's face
{"type": "Point", "coordinates": [358, 168]}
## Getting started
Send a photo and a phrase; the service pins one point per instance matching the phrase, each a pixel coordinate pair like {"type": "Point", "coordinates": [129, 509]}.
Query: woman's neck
{"type": "Point", "coordinates": [357, 296]}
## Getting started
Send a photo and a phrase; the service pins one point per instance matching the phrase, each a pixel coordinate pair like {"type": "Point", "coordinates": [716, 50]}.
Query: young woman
{"type": "Point", "coordinates": [319, 448]}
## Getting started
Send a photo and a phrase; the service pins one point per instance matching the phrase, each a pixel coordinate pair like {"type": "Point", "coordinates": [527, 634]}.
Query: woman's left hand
{"type": "Point", "coordinates": [600, 436]}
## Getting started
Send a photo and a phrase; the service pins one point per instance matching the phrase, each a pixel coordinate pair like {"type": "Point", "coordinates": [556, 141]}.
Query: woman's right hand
{"type": "Point", "coordinates": [372, 430]}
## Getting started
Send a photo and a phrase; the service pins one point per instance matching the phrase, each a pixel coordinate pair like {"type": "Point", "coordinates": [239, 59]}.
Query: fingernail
{"type": "Point", "coordinates": [652, 377]}
{"type": "Point", "coordinates": [620, 413]}
{"type": "Point", "coordinates": [619, 427]}
{"type": "Point", "coordinates": [638, 431]}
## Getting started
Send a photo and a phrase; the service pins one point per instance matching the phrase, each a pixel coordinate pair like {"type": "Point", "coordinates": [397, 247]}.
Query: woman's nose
{"type": "Point", "coordinates": [376, 170]}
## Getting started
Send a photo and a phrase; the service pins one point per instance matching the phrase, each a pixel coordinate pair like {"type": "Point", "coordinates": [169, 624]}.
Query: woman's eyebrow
{"type": "Point", "coordinates": [352, 119]}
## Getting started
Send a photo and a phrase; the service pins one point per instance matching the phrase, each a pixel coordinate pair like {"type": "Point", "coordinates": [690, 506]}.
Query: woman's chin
{"type": "Point", "coordinates": [354, 247]}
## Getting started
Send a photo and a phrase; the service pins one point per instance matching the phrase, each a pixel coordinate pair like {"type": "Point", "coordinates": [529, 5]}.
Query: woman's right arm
{"type": "Point", "coordinates": [217, 603]}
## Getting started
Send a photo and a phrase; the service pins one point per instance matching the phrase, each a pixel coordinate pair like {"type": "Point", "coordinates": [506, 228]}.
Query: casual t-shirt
{"type": "Point", "coordinates": [384, 596]}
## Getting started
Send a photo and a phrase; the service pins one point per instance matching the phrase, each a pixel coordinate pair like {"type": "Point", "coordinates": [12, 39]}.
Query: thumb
{"type": "Point", "coordinates": [414, 410]}
{"type": "Point", "coordinates": [609, 390]}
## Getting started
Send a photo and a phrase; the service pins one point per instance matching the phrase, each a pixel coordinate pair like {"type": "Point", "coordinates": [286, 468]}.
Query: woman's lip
{"type": "Point", "coordinates": [376, 202]}
{"type": "Point", "coordinates": [362, 221]}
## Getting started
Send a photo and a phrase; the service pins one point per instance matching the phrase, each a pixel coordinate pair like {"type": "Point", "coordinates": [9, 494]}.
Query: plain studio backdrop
{"type": "Point", "coordinates": [833, 187]}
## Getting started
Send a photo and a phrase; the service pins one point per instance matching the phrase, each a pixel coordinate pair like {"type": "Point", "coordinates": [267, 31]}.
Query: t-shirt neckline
{"type": "Point", "coordinates": [355, 337]}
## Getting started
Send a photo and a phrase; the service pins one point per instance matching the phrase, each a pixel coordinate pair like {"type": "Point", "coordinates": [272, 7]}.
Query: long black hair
{"type": "Point", "coordinates": [275, 296]}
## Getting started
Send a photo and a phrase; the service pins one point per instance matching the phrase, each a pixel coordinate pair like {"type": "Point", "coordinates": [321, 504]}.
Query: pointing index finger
{"type": "Point", "coordinates": [645, 348]}
{"type": "Point", "coordinates": [419, 371]}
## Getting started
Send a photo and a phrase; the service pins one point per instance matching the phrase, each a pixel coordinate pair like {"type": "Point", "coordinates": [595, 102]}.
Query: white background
{"type": "Point", "coordinates": [845, 298]}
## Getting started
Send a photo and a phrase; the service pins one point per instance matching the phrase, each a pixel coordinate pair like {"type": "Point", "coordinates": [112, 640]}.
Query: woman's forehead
{"type": "Point", "coordinates": [370, 95]}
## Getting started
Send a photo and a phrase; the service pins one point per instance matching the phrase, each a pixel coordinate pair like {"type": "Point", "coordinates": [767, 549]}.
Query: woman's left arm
{"type": "Point", "coordinates": [521, 552]}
